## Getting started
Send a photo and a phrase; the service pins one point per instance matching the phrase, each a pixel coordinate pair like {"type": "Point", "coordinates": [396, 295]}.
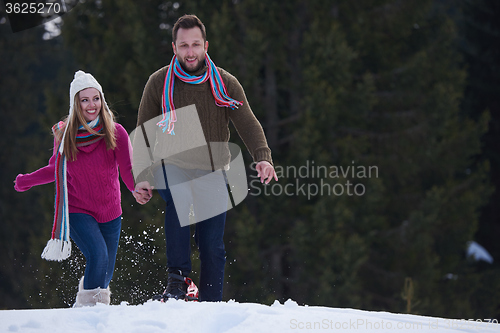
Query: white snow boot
{"type": "Point", "coordinates": [90, 297]}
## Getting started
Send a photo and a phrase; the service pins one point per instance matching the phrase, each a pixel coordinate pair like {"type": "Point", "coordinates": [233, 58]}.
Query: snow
{"type": "Point", "coordinates": [180, 316]}
{"type": "Point", "coordinates": [52, 28]}
{"type": "Point", "coordinates": [478, 252]}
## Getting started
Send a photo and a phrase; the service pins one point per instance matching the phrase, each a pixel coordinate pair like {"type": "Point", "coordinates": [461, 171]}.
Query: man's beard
{"type": "Point", "coordinates": [201, 63]}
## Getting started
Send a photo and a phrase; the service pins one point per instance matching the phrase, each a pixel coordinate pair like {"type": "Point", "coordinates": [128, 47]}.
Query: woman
{"type": "Point", "coordinates": [90, 151]}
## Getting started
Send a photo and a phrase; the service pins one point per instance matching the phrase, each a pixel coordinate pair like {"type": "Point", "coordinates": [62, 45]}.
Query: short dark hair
{"type": "Point", "coordinates": [188, 22]}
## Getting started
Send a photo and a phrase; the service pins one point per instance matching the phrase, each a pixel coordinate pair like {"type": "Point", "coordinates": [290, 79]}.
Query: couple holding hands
{"type": "Point", "coordinates": [91, 152]}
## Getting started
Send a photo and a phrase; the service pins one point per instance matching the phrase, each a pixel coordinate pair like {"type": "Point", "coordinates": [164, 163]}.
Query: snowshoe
{"type": "Point", "coordinates": [178, 287]}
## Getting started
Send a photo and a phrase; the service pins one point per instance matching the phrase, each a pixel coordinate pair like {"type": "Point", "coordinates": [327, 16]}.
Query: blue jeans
{"type": "Point", "coordinates": [208, 237]}
{"type": "Point", "coordinates": [99, 244]}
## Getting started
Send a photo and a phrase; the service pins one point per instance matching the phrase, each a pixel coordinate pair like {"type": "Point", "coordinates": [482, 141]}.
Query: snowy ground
{"type": "Point", "coordinates": [180, 316]}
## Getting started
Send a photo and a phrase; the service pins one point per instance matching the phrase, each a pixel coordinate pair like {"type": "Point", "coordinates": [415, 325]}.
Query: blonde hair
{"type": "Point", "coordinates": [75, 119]}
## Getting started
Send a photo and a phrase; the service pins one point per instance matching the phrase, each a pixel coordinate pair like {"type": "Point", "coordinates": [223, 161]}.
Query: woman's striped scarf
{"type": "Point", "coordinates": [59, 246]}
{"type": "Point", "coordinates": [212, 74]}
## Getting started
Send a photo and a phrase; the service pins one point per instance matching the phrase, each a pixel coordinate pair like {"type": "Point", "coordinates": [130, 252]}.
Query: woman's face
{"type": "Point", "coordinates": [90, 103]}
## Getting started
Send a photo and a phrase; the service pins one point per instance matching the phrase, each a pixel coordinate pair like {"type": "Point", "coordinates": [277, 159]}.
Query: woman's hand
{"type": "Point", "coordinates": [143, 192]}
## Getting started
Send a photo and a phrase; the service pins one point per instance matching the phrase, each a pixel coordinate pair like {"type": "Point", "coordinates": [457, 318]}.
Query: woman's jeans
{"type": "Point", "coordinates": [99, 244]}
{"type": "Point", "coordinates": [208, 235]}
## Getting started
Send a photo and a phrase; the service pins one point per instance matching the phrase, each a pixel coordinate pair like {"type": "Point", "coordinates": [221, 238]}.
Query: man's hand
{"type": "Point", "coordinates": [143, 192]}
{"type": "Point", "coordinates": [266, 172]}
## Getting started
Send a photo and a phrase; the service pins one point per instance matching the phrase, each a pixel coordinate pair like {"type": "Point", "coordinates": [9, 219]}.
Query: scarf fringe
{"type": "Point", "coordinates": [58, 247]}
{"type": "Point", "coordinates": [56, 250]}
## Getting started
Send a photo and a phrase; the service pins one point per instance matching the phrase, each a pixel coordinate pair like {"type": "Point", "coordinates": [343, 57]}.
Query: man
{"type": "Point", "coordinates": [215, 97]}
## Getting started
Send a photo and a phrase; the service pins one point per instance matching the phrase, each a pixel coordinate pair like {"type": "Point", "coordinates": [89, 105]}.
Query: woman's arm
{"type": "Point", "coordinates": [123, 153]}
{"type": "Point", "coordinates": [41, 176]}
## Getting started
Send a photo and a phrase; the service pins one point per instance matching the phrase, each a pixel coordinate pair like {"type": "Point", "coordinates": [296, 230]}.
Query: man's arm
{"type": "Point", "coordinates": [251, 132]}
{"type": "Point", "coordinates": [245, 122]}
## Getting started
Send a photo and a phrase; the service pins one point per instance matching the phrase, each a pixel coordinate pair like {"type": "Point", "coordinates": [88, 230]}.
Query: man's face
{"type": "Point", "coordinates": [190, 49]}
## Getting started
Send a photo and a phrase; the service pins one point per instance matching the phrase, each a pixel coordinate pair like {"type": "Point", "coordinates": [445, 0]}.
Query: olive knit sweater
{"type": "Point", "coordinates": [214, 120]}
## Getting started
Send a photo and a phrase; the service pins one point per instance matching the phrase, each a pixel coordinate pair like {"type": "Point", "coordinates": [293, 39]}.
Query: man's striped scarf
{"type": "Point", "coordinates": [211, 74]}
{"type": "Point", "coordinates": [59, 246]}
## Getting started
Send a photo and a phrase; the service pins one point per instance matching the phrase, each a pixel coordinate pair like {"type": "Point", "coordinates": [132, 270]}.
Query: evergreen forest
{"type": "Point", "coordinates": [382, 118]}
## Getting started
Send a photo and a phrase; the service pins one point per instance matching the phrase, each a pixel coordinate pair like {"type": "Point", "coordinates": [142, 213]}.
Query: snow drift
{"type": "Point", "coordinates": [180, 316]}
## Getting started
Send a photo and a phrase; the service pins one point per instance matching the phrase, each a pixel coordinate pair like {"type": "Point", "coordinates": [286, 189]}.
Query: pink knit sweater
{"type": "Point", "coordinates": [93, 184]}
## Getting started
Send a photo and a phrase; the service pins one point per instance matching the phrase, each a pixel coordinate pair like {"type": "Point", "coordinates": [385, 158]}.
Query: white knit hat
{"type": "Point", "coordinates": [80, 82]}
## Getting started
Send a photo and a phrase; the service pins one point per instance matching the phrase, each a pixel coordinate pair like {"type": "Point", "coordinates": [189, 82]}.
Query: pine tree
{"type": "Point", "coordinates": [28, 67]}
{"type": "Point", "coordinates": [480, 34]}
{"type": "Point", "coordinates": [374, 86]}
{"type": "Point", "coordinates": [372, 83]}
{"type": "Point", "coordinates": [397, 108]}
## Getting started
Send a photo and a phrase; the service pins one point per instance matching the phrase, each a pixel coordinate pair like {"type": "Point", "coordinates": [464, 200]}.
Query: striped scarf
{"type": "Point", "coordinates": [219, 92]}
{"type": "Point", "coordinates": [59, 246]}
